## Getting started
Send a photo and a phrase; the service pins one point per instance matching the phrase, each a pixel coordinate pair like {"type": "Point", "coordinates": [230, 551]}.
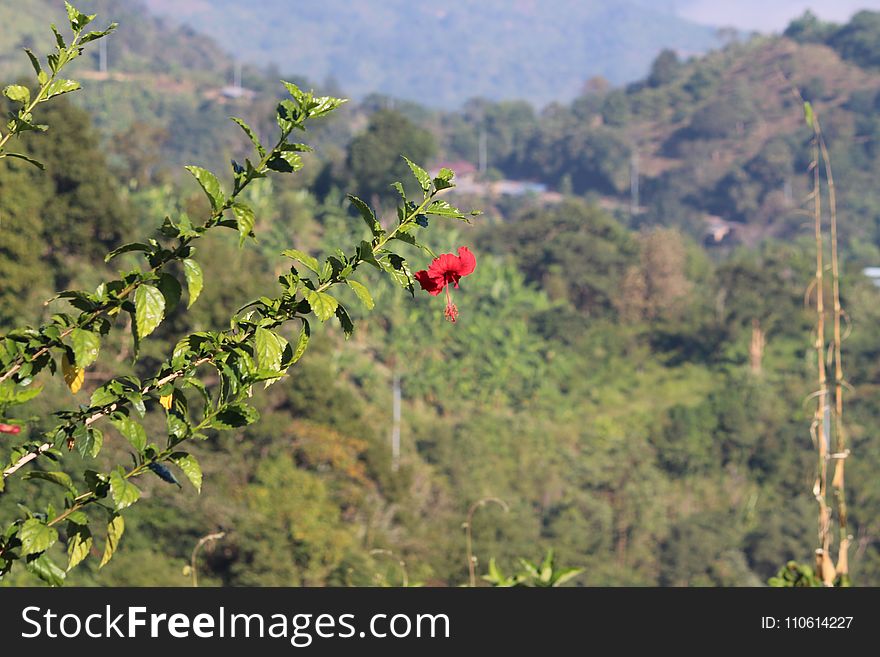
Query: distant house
{"type": "Point", "coordinates": [463, 169]}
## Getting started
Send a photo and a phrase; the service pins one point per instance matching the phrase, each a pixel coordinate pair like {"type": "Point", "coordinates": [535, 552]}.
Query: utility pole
{"type": "Point", "coordinates": [395, 423]}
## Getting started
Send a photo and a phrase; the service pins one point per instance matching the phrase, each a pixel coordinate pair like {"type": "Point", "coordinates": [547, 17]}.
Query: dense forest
{"type": "Point", "coordinates": [602, 379]}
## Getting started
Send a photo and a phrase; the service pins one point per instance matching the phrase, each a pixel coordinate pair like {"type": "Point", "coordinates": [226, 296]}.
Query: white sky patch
{"type": "Point", "coordinates": [768, 15]}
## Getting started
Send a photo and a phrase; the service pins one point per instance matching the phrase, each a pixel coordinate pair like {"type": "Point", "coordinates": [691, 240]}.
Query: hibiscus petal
{"type": "Point", "coordinates": [429, 283]}
{"type": "Point", "coordinates": [466, 261]}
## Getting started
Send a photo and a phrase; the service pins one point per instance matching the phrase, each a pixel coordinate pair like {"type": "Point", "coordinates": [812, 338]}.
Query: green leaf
{"type": "Point", "coordinates": [194, 280]}
{"type": "Point", "coordinates": [235, 416]}
{"type": "Point", "coordinates": [36, 536]}
{"type": "Point", "coordinates": [809, 115]}
{"type": "Point", "coordinates": [362, 292]}
{"type": "Point", "coordinates": [302, 342]}
{"type": "Point", "coordinates": [85, 347]}
{"type": "Point", "coordinates": [18, 94]}
{"type": "Point", "coordinates": [132, 431]}
{"type": "Point", "coordinates": [60, 478]}
{"type": "Point", "coordinates": [35, 62]}
{"type": "Point", "coordinates": [91, 36]}
{"type": "Point", "coordinates": [149, 309]}
{"type": "Point", "coordinates": [245, 218]}
{"type": "Point", "coordinates": [444, 179]}
{"type": "Point", "coordinates": [251, 135]}
{"type": "Point", "coordinates": [77, 19]}
{"type": "Point", "coordinates": [368, 215]}
{"type": "Point", "coordinates": [28, 159]}
{"type": "Point", "coordinates": [103, 396]}
{"type": "Point", "coordinates": [46, 569]}
{"type": "Point", "coordinates": [269, 347]}
{"type": "Point", "coordinates": [90, 443]}
{"type": "Point", "coordinates": [115, 529]}
{"type": "Point", "coordinates": [60, 86]}
{"type": "Point", "coordinates": [323, 305]}
{"type": "Point", "coordinates": [444, 209]}
{"type": "Point", "coordinates": [345, 321]}
{"type": "Point", "coordinates": [285, 162]}
{"type": "Point", "coordinates": [169, 286]}
{"type": "Point", "coordinates": [420, 174]}
{"type": "Point", "coordinates": [79, 544]}
{"type": "Point", "coordinates": [190, 467]}
{"type": "Point", "coordinates": [123, 491]}
{"type": "Point", "coordinates": [127, 248]}
{"type": "Point", "coordinates": [210, 184]}
{"type": "Point", "coordinates": [304, 258]}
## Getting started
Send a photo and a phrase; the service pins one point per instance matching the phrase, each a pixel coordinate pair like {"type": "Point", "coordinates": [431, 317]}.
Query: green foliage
{"type": "Point", "coordinates": [545, 574]}
{"type": "Point", "coordinates": [249, 352]}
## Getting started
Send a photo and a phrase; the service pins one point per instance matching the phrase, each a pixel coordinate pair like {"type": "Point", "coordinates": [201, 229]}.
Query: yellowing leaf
{"type": "Point", "coordinates": [165, 401]}
{"type": "Point", "coordinates": [73, 375]}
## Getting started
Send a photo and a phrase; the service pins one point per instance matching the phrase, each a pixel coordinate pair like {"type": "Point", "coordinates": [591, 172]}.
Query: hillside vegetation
{"type": "Point", "coordinates": [600, 379]}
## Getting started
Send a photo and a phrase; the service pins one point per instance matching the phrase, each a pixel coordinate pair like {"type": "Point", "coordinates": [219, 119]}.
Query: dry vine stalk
{"type": "Point", "coordinates": [828, 572]}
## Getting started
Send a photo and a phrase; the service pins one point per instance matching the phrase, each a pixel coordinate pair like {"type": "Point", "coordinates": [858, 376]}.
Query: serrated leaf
{"type": "Point", "coordinates": [103, 396]}
{"type": "Point", "coordinates": [35, 62]}
{"type": "Point", "coordinates": [322, 304]}
{"type": "Point", "coordinates": [251, 135]}
{"type": "Point", "coordinates": [304, 258]}
{"type": "Point", "coordinates": [302, 342]}
{"type": "Point", "coordinates": [190, 467]}
{"type": "Point", "coordinates": [244, 217]}
{"type": "Point", "coordinates": [269, 348]}
{"type": "Point", "coordinates": [79, 544]}
{"type": "Point", "coordinates": [194, 280]}
{"type": "Point", "coordinates": [368, 215]}
{"type": "Point", "coordinates": [210, 185]}
{"type": "Point", "coordinates": [235, 416]}
{"type": "Point", "coordinates": [362, 292]}
{"type": "Point", "coordinates": [128, 248]}
{"type": "Point", "coordinates": [149, 309]}
{"type": "Point", "coordinates": [85, 347]}
{"type": "Point", "coordinates": [445, 209]}
{"type": "Point", "coordinates": [60, 86]}
{"type": "Point", "coordinates": [132, 431]}
{"type": "Point", "coordinates": [90, 443]}
{"type": "Point", "coordinates": [115, 529]}
{"type": "Point", "coordinates": [123, 491]}
{"type": "Point", "coordinates": [60, 478]}
{"type": "Point", "coordinates": [170, 288]}
{"type": "Point", "coordinates": [36, 536]}
{"type": "Point", "coordinates": [46, 569]}
{"type": "Point", "coordinates": [285, 162]}
{"type": "Point", "coordinates": [73, 375]}
{"type": "Point", "coordinates": [420, 174]}
{"type": "Point", "coordinates": [18, 94]}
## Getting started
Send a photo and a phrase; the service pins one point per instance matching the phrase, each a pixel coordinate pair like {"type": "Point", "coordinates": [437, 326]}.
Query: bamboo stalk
{"type": "Point", "coordinates": [840, 448]}
{"type": "Point", "coordinates": [820, 489]}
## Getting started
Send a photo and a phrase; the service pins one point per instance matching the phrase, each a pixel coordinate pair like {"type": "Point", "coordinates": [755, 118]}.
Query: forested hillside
{"type": "Point", "coordinates": [602, 378]}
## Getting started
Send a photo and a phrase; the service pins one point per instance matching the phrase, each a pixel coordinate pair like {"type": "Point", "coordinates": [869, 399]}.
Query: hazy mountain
{"type": "Point", "coordinates": [443, 53]}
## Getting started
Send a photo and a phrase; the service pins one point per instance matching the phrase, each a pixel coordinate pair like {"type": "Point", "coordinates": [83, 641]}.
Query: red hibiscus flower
{"type": "Point", "coordinates": [9, 428]}
{"type": "Point", "coordinates": [445, 270]}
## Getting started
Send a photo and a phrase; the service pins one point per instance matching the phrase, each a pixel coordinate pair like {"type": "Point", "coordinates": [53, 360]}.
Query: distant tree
{"type": "Point", "coordinates": [664, 69]}
{"type": "Point", "coordinates": [859, 40]}
{"type": "Point", "coordinates": [374, 155]}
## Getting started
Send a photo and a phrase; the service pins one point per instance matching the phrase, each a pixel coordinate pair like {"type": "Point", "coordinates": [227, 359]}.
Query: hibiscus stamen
{"type": "Point", "coordinates": [451, 312]}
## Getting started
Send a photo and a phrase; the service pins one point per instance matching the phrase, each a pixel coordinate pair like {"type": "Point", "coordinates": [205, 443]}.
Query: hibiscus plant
{"type": "Point", "coordinates": [206, 383]}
